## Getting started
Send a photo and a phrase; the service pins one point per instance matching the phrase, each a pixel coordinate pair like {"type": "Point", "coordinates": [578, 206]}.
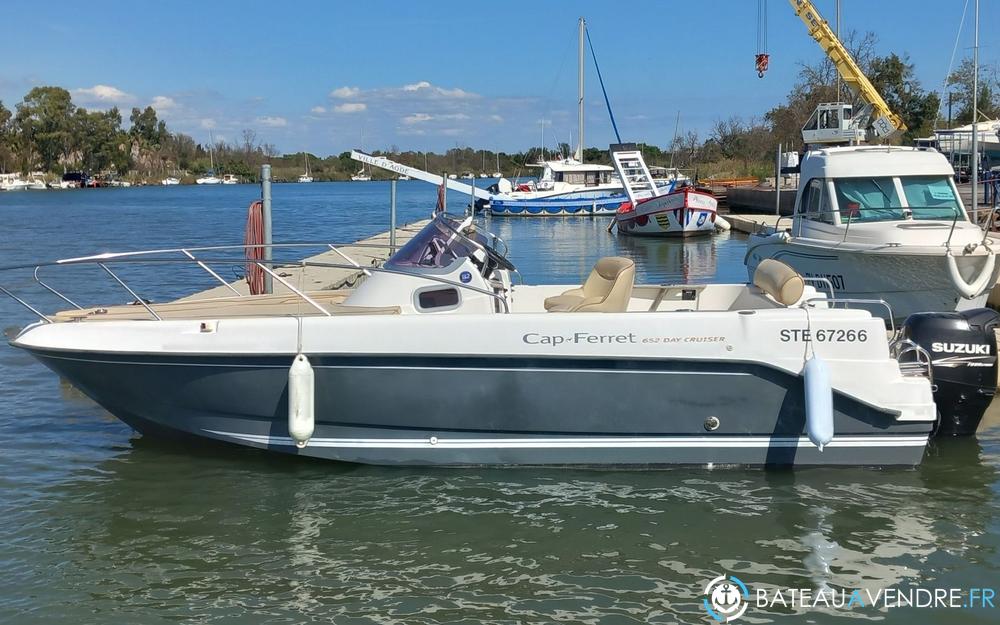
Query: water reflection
{"type": "Point", "coordinates": [217, 533]}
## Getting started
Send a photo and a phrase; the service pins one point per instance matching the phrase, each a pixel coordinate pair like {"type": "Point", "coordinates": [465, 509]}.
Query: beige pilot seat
{"type": "Point", "coordinates": [607, 289]}
{"type": "Point", "coordinates": [779, 282]}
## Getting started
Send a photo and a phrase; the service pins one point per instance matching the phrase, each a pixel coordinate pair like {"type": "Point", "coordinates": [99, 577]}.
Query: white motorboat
{"type": "Point", "coordinates": [13, 182]}
{"type": "Point", "coordinates": [661, 211]}
{"type": "Point", "coordinates": [170, 181]}
{"type": "Point", "coordinates": [362, 175]}
{"type": "Point", "coordinates": [209, 178]}
{"type": "Point", "coordinates": [230, 179]}
{"type": "Point", "coordinates": [439, 358]}
{"type": "Point", "coordinates": [886, 223]}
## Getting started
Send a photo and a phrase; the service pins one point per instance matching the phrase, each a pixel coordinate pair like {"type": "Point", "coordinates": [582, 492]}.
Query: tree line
{"type": "Point", "coordinates": [47, 132]}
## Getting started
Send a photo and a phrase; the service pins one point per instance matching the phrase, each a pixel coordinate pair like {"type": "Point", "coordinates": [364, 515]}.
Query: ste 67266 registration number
{"type": "Point", "coordinates": [823, 336]}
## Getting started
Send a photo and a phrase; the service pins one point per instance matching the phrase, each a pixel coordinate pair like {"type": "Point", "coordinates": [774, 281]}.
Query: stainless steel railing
{"type": "Point", "coordinates": [187, 255]}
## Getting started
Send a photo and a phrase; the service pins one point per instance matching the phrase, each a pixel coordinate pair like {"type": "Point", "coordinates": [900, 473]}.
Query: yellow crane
{"type": "Point", "coordinates": [834, 122]}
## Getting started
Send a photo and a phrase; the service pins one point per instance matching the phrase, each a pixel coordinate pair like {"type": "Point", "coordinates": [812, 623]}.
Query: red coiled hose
{"type": "Point", "coordinates": [254, 237]}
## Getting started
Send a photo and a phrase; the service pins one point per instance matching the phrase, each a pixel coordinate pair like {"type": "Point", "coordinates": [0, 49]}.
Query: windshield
{"type": "Point", "coordinates": [435, 246]}
{"type": "Point", "coordinates": [877, 198]}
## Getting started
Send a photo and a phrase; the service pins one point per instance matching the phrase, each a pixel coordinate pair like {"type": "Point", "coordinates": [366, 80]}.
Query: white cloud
{"type": "Point", "coordinates": [318, 110]}
{"type": "Point", "coordinates": [417, 118]}
{"type": "Point", "coordinates": [343, 93]}
{"type": "Point", "coordinates": [272, 122]}
{"type": "Point", "coordinates": [103, 93]}
{"type": "Point", "coordinates": [496, 118]}
{"type": "Point", "coordinates": [163, 103]}
{"type": "Point", "coordinates": [207, 123]}
{"type": "Point", "coordinates": [426, 87]}
{"type": "Point", "coordinates": [350, 107]}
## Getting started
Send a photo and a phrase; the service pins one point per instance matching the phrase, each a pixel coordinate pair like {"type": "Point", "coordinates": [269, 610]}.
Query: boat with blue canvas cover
{"type": "Point", "coordinates": [566, 187]}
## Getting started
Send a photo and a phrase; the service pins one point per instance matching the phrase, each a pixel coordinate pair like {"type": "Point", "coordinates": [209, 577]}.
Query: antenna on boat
{"type": "Point", "coordinates": [579, 149]}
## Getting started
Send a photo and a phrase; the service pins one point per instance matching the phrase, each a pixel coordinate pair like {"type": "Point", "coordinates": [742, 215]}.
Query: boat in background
{"type": "Point", "coordinates": [884, 222]}
{"type": "Point", "coordinates": [210, 177]}
{"type": "Point", "coordinates": [660, 211]}
{"type": "Point", "coordinates": [361, 176]}
{"type": "Point", "coordinates": [13, 182]}
{"type": "Point", "coordinates": [169, 181]}
{"type": "Point", "coordinates": [565, 187]}
{"type": "Point", "coordinates": [306, 177]}
{"type": "Point", "coordinates": [230, 179]}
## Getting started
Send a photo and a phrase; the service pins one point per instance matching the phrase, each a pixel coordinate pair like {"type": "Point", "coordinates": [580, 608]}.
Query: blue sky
{"type": "Point", "coordinates": [429, 76]}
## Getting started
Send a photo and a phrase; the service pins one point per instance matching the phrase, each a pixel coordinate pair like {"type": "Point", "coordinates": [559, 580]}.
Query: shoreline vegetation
{"type": "Point", "coordinates": [47, 134]}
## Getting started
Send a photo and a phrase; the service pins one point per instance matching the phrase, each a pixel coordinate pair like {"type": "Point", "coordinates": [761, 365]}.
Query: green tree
{"type": "Point", "coordinates": [146, 129]}
{"type": "Point", "coordinates": [989, 93]}
{"type": "Point", "coordinates": [893, 78]}
{"type": "Point", "coordinates": [103, 143]}
{"type": "Point", "coordinates": [6, 138]}
{"type": "Point", "coordinates": [45, 123]}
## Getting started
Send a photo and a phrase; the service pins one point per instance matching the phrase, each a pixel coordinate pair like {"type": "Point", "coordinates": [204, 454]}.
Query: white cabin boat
{"type": "Point", "coordinates": [170, 181]}
{"type": "Point", "coordinates": [884, 223]}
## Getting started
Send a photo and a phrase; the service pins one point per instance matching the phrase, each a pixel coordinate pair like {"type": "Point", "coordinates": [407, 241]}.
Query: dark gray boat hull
{"type": "Point", "coordinates": [433, 410]}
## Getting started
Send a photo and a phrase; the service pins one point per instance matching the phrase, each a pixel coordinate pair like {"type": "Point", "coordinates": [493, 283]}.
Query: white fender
{"type": "Point", "coordinates": [721, 223]}
{"type": "Point", "coordinates": [819, 402]}
{"type": "Point", "coordinates": [986, 279]}
{"type": "Point", "coordinates": [301, 401]}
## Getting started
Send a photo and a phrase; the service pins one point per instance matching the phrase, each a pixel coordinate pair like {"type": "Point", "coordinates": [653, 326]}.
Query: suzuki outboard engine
{"type": "Point", "coordinates": [963, 350]}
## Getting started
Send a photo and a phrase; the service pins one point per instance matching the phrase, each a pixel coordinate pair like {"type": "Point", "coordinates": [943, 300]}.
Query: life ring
{"type": "Point", "coordinates": [986, 279]}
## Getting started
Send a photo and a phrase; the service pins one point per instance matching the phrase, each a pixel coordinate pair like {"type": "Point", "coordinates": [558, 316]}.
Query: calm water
{"type": "Point", "coordinates": [98, 525]}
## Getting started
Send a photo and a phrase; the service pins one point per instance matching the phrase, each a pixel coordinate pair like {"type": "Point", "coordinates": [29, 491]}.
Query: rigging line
{"type": "Point", "coordinates": [603, 90]}
{"type": "Point", "coordinates": [954, 50]}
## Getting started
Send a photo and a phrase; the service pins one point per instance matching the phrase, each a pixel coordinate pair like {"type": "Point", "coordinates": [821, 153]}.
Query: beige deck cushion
{"type": "Point", "coordinates": [607, 289]}
{"type": "Point", "coordinates": [779, 281]}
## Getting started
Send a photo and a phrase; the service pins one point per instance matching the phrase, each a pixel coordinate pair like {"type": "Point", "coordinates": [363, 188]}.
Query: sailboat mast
{"type": "Point", "coordinates": [579, 150]}
{"type": "Point", "coordinates": [975, 118]}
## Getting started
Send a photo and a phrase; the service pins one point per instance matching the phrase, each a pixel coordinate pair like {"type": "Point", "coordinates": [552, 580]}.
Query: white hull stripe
{"type": "Point", "coordinates": [581, 442]}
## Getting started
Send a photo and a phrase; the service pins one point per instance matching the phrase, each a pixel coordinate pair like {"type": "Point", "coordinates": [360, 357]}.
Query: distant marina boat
{"type": "Point", "coordinates": [13, 182]}
{"type": "Point", "coordinates": [361, 176]}
{"type": "Point", "coordinates": [404, 177]}
{"type": "Point", "coordinates": [566, 187]}
{"type": "Point", "coordinates": [170, 181]}
{"type": "Point", "coordinates": [660, 211]}
{"type": "Point", "coordinates": [306, 177]}
{"type": "Point", "coordinates": [452, 177]}
{"type": "Point", "coordinates": [230, 179]}
{"type": "Point", "coordinates": [210, 177]}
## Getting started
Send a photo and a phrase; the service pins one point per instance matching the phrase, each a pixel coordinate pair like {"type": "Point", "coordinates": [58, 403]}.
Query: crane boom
{"type": "Point", "coordinates": [884, 123]}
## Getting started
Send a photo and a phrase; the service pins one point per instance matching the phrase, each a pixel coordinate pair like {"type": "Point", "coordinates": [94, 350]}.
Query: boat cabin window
{"type": "Point", "coordinates": [436, 298]}
{"type": "Point", "coordinates": [590, 178]}
{"type": "Point", "coordinates": [931, 197]}
{"type": "Point", "coordinates": [867, 199]}
{"type": "Point", "coordinates": [816, 205]}
{"type": "Point", "coordinates": [878, 199]}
